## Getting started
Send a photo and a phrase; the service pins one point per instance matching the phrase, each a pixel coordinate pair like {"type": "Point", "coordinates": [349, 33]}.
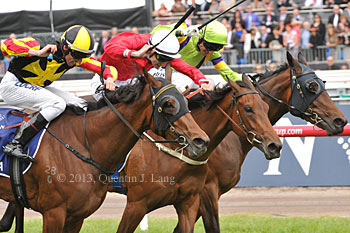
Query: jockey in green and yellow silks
{"type": "Point", "coordinates": [196, 50]}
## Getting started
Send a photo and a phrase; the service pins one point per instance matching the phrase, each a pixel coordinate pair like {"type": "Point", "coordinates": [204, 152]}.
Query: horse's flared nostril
{"type": "Point", "coordinates": [274, 148]}
{"type": "Point", "coordinates": [200, 142]}
{"type": "Point", "coordinates": [339, 122]}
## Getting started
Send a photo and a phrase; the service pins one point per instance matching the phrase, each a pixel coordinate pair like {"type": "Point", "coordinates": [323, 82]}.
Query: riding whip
{"type": "Point", "coordinates": [184, 17]}
{"type": "Point", "coordinates": [224, 12]}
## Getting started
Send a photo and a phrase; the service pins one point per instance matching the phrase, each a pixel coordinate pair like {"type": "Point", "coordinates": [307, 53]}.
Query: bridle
{"type": "Point", "coordinates": [159, 97]}
{"type": "Point", "coordinates": [301, 97]}
{"type": "Point", "coordinates": [240, 128]}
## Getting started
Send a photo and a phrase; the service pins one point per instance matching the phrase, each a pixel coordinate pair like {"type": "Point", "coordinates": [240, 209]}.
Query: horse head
{"type": "Point", "coordinates": [172, 118]}
{"type": "Point", "coordinates": [310, 98]}
{"type": "Point", "coordinates": [252, 113]}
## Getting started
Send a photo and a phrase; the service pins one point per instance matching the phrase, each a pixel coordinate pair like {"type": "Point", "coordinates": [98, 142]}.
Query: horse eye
{"type": "Point", "coordinates": [312, 87]}
{"type": "Point", "coordinates": [248, 109]}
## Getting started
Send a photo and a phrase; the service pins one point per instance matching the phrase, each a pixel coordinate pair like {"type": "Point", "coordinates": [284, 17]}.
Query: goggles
{"type": "Point", "coordinates": [163, 58]}
{"type": "Point", "coordinates": [78, 55]}
{"type": "Point", "coordinates": [212, 46]}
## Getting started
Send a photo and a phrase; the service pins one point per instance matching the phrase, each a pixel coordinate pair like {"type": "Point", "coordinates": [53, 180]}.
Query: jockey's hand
{"type": "Point", "coordinates": [143, 52]}
{"type": "Point", "coordinates": [206, 87]}
{"type": "Point", "coordinates": [44, 52]}
{"type": "Point", "coordinates": [109, 83]}
{"type": "Point", "coordinates": [191, 31]}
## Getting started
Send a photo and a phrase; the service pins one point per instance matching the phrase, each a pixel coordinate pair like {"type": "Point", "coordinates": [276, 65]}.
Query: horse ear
{"type": "Point", "coordinates": [302, 59]}
{"type": "Point", "coordinates": [168, 73]}
{"type": "Point", "coordinates": [155, 83]}
{"type": "Point", "coordinates": [247, 80]}
{"type": "Point", "coordinates": [235, 87]}
{"type": "Point", "coordinates": [292, 62]}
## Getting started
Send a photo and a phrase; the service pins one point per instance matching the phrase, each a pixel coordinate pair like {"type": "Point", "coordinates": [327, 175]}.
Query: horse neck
{"type": "Point", "coordinates": [213, 122]}
{"type": "Point", "coordinates": [110, 139]}
{"type": "Point", "coordinates": [279, 87]}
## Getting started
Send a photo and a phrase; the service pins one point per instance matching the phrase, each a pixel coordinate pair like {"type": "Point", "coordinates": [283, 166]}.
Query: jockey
{"type": "Point", "coordinates": [130, 52]}
{"type": "Point", "coordinates": [198, 47]}
{"type": "Point", "coordinates": [26, 84]}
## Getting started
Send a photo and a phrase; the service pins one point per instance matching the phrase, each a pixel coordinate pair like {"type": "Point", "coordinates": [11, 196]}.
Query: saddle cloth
{"type": "Point", "coordinates": [7, 118]}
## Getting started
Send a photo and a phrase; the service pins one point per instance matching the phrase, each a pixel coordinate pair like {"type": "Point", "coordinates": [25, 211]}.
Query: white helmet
{"type": "Point", "coordinates": [168, 47]}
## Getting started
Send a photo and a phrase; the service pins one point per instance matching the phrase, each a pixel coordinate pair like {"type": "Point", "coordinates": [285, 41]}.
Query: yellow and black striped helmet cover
{"type": "Point", "coordinates": [79, 38]}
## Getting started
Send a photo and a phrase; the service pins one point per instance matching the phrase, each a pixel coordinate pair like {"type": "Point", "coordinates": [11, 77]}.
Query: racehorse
{"type": "Point", "coordinates": [52, 183]}
{"type": "Point", "coordinates": [278, 89]}
{"type": "Point", "coordinates": [156, 179]}
{"type": "Point", "coordinates": [226, 160]}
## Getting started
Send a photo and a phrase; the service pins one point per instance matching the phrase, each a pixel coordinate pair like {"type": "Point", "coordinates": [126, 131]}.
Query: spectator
{"type": "Point", "coordinates": [315, 41]}
{"type": "Point", "coordinates": [332, 38]}
{"type": "Point", "coordinates": [331, 65]}
{"type": "Point", "coordinates": [296, 15]}
{"type": "Point", "coordinates": [102, 41]}
{"type": "Point", "coordinates": [263, 35]}
{"type": "Point", "coordinates": [258, 68]}
{"type": "Point", "coordinates": [290, 40]}
{"type": "Point", "coordinates": [271, 66]}
{"type": "Point", "coordinates": [214, 7]}
{"type": "Point", "coordinates": [344, 67]}
{"type": "Point", "coordinates": [335, 17]}
{"type": "Point", "coordinates": [317, 23]}
{"type": "Point", "coordinates": [283, 16]}
{"type": "Point", "coordinates": [275, 42]}
{"type": "Point", "coordinates": [240, 32]}
{"type": "Point", "coordinates": [257, 4]}
{"type": "Point", "coordinates": [275, 39]}
{"type": "Point", "coordinates": [250, 18]}
{"type": "Point", "coordinates": [225, 4]}
{"type": "Point", "coordinates": [346, 35]}
{"type": "Point", "coordinates": [341, 28]}
{"type": "Point", "coordinates": [135, 30]}
{"type": "Point", "coordinates": [233, 42]}
{"type": "Point", "coordinates": [29, 34]}
{"type": "Point", "coordinates": [267, 3]}
{"type": "Point", "coordinates": [270, 20]}
{"type": "Point", "coordinates": [237, 17]}
{"type": "Point", "coordinates": [178, 7]}
{"type": "Point", "coordinates": [347, 12]}
{"type": "Point", "coordinates": [305, 35]}
{"type": "Point", "coordinates": [251, 42]}
{"type": "Point", "coordinates": [313, 3]}
{"type": "Point", "coordinates": [161, 13]}
{"type": "Point", "coordinates": [114, 31]}
{"type": "Point", "coordinates": [200, 5]}
{"type": "Point", "coordinates": [286, 3]}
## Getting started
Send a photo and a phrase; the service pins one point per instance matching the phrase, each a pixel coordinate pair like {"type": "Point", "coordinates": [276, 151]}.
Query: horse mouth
{"type": "Point", "coordinates": [333, 128]}
{"type": "Point", "coordinates": [196, 152]}
{"type": "Point", "coordinates": [271, 151]}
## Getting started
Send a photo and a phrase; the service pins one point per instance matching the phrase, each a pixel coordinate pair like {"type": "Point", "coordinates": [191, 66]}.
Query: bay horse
{"type": "Point", "coordinates": [156, 179]}
{"type": "Point", "coordinates": [52, 183]}
{"type": "Point", "coordinates": [277, 90]}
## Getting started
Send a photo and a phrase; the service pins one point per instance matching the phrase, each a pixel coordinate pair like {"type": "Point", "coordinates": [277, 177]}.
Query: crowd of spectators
{"type": "Point", "coordinates": [287, 29]}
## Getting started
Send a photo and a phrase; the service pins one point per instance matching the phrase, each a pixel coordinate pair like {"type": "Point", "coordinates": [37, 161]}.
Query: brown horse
{"type": "Point", "coordinates": [65, 189]}
{"type": "Point", "coordinates": [276, 90]}
{"type": "Point", "coordinates": [155, 179]}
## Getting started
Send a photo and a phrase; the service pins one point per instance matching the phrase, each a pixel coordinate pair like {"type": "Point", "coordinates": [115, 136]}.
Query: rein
{"type": "Point", "coordinates": [293, 79]}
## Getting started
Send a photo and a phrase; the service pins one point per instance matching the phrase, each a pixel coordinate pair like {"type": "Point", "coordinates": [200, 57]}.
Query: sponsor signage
{"type": "Point", "coordinates": [305, 161]}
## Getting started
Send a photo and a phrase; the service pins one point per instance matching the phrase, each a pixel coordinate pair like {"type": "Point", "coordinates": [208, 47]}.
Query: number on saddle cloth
{"type": "Point", "coordinates": [10, 120]}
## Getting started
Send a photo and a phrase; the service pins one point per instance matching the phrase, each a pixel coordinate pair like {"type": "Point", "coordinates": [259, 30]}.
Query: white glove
{"type": "Point", "coordinates": [191, 31]}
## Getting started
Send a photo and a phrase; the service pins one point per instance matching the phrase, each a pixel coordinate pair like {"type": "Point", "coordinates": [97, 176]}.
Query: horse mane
{"type": "Point", "coordinates": [214, 96]}
{"type": "Point", "coordinates": [123, 94]}
{"type": "Point", "coordinates": [268, 74]}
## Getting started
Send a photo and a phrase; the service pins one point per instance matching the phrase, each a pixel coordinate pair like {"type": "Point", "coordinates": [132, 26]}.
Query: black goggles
{"type": "Point", "coordinates": [78, 55]}
{"type": "Point", "coordinates": [163, 58]}
{"type": "Point", "coordinates": [212, 46]}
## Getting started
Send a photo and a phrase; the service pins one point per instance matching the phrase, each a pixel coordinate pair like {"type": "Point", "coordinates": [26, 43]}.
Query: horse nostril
{"type": "Point", "coordinates": [200, 142]}
{"type": "Point", "coordinates": [274, 148]}
{"type": "Point", "coordinates": [339, 122]}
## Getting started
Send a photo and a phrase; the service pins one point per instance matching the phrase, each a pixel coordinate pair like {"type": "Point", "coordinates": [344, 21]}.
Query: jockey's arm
{"type": "Point", "coordinates": [110, 73]}
{"type": "Point", "coordinates": [26, 47]}
{"type": "Point", "coordinates": [223, 69]}
{"type": "Point", "coordinates": [195, 74]}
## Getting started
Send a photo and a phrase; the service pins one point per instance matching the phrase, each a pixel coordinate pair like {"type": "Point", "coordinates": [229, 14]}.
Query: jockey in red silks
{"type": "Point", "coordinates": [130, 52]}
